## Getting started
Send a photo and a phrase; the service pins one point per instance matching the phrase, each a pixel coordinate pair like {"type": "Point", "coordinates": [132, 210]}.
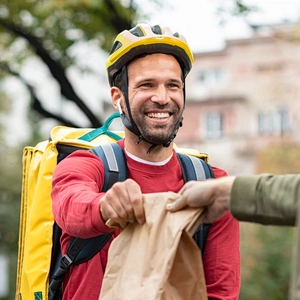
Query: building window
{"type": "Point", "coordinates": [211, 76]}
{"type": "Point", "coordinates": [214, 125]}
{"type": "Point", "coordinates": [274, 123]}
{"type": "Point", "coordinates": [201, 76]}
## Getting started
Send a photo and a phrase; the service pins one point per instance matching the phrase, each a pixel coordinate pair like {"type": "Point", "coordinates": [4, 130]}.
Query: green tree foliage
{"type": "Point", "coordinates": [10, 195]}
{"type": "Point", "coordinates": [279, 158]}
{"type": "Point", "coordinates": [228, 9]}
{"type": "Point", "coordinates": [266, 261]}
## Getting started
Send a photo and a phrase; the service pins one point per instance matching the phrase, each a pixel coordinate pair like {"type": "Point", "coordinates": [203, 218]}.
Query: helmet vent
{"type": "Point", "coordinates": [156, 29]}
{"type": "Point", "coordinates": [137, 31]}
{"type": "Point", "coordinates": [115, 47]}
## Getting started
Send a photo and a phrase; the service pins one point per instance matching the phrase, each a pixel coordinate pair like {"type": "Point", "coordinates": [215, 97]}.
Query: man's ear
{"type": "Point", "coordinates": [116, 98]}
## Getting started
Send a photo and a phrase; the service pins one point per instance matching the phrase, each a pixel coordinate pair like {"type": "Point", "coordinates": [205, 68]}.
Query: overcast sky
{"type": "Point", "coordinates": [197, 21]}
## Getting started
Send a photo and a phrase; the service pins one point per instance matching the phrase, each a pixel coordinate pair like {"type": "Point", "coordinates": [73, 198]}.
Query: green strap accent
{"type": "Point", "coordinates": [38, 296]}
{"type": "Point", "coordinates": [102, 130]}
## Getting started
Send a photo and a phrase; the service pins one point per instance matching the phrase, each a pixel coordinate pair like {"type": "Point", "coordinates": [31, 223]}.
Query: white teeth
{"type": "Point", "coordinates": [158, 115]}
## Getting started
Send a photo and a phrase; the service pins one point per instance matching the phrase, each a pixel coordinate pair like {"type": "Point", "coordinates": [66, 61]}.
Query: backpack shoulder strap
{"type": "Point", "coordinates": [81, 250]}
{"type": "Point", "coordinates": [113, 158]}
{"type": "Point", "coordinates": [194, 168]}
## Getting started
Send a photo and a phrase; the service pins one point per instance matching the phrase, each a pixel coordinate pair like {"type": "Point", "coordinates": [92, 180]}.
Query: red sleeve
{"type": "Point", "coordinates": [76, 209]}
{"type": "Point", "coordinates": [221, 257]}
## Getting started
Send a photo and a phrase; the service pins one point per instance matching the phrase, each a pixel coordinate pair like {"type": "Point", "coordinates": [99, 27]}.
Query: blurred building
{"type": "Point", "coordinates": [243, 97]}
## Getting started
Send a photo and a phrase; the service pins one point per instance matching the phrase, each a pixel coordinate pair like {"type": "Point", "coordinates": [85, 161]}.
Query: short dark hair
{"type": "Point", "coordinates": [118, 80]}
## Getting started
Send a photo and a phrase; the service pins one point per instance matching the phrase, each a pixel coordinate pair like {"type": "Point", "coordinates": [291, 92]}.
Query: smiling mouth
{"type": "Point", "coordinates": [159, 115]}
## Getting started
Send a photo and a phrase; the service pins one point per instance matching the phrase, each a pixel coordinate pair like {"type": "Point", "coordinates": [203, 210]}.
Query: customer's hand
{"type": "Point", "coordinates": [213, 194]}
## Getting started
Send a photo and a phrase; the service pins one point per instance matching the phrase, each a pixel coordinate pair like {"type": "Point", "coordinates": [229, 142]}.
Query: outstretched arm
{"type": "Point", "coordinates": [265, 199]}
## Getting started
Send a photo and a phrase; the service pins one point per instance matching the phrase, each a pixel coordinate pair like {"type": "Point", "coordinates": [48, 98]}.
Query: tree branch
{"type": "Point", "coordinates": [118, 21]}
{"type": "Point", "coordinates": [55, 68]}
{"type": "Point", "coordinates": [35, 102]}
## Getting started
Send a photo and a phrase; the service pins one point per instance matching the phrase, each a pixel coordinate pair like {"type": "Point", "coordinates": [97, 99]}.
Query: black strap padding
{"type": "Point", "coordinates": [201, 235]}
{"type": "Point", "coordinates": [82, 250]}
{"type": "Point", "coordinates": [65, 150]}
{"type": "Point", "coordinates": [79, 251]}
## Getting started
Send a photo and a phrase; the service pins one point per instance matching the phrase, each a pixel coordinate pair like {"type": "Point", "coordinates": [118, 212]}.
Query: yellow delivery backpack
{"type": "Point", "coordinates": [38, 232]}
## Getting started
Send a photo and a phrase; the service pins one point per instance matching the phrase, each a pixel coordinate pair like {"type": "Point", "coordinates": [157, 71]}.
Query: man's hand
{"type": "Point", "coordinates": [213, 194]}
{"type": "Point", "coordinates": [123, 202]}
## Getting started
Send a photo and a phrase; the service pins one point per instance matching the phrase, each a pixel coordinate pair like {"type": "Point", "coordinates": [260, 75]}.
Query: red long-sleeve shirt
{"type": "Point", "coordinates": [77, 182]}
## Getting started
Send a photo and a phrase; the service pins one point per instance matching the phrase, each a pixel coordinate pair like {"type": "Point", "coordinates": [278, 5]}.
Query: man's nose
{"type": "Point", "coordinates": [160, 95]}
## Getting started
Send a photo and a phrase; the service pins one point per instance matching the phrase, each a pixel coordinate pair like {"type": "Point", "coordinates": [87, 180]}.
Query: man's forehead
{"type": "Point", "coordinates": [152, 56]}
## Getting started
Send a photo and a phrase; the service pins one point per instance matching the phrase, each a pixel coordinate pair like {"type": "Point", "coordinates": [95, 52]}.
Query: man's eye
{"type": "Point", "coordinates": [145, 85]}
{"type": "Point", "coordinates": [173, 85]}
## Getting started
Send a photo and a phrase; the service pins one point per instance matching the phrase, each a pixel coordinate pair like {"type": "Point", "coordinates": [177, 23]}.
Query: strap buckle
{"type": "Point", "coordinates": [66, 261]}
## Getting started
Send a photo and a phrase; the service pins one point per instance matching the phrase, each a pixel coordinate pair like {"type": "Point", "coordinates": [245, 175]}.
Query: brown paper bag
{"type": "Point", "coordinates": [158, 260]}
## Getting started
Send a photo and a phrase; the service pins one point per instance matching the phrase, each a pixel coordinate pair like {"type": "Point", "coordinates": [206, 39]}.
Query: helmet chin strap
{"type": "Point", "coordinates": [130, 124]}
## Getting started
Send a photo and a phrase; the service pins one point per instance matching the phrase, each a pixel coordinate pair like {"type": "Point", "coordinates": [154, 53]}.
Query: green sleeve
{"type": "Point", "coordinates": [266, 199]}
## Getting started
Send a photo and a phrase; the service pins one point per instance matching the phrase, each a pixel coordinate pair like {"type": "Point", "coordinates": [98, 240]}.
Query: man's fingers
{"type": "Point", "coordinates": [123, 202]}
{"type": "Point", "coordinates": [139, 213]}
{"type": "Point", "coordinates": [108, 212]}
{"type": "Point", "coordinates": [177, 205]}
{"type": "Point", "coordinates": [135, 202]}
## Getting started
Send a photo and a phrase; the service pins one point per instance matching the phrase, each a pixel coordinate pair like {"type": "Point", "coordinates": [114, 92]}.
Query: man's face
{"type": "Point", "coordinates": [155, 91]}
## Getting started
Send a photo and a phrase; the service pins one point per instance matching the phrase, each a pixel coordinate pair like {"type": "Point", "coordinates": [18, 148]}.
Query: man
{"type": "Point", "coordinates": [265, 199]}
{"type": "Point", "coordinates": [146, 71]}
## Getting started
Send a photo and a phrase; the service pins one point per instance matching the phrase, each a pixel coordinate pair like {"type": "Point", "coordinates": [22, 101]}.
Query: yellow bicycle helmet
{"type": "Point", "coordinates": [143, 39]}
